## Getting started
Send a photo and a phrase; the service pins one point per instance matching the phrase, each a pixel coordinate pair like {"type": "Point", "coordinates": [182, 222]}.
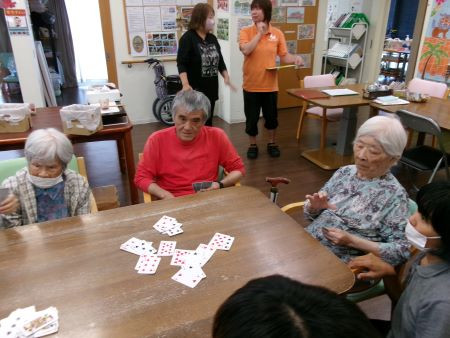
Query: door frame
{"type": "Point", "coordinates": [108, 40]}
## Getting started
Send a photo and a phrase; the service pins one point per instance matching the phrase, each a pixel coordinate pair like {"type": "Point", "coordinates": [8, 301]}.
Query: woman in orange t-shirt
{"type": "Point", "coordinates": [261, 43]}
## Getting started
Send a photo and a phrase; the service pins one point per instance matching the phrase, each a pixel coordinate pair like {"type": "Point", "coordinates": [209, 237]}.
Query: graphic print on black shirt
{"type": "Point", "coordinates": [210, 59]}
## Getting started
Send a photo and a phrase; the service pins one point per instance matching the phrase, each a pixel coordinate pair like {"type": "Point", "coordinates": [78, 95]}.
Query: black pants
{"type": "Point", "coordinates": [209, 120]}
{"type": "Point", "coordinates": [253, 103]}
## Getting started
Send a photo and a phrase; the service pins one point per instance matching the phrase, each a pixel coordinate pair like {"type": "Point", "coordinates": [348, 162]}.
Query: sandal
{"type": "Point", "coordinates": [273, 150]}
{"type": "Point", "coordinates": [252, 151]}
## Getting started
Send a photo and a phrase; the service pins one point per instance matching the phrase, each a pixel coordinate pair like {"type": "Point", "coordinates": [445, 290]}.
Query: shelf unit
{"type": "Point", "coordinates": [348, 52]}
{"type": "Point", "coordinates": [394, 64]}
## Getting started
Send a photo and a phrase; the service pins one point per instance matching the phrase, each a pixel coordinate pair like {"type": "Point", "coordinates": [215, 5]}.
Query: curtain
{"type": "Point", "coordinates": [64, 43]}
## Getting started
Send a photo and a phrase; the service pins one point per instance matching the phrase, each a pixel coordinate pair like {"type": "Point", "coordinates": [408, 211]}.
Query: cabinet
{"type": "Point", "coordinates": [345, 55]}
{"type": "Point", "coordinates": [394, 64]}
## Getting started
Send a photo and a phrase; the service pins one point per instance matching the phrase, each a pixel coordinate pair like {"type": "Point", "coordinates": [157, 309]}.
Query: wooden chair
{"type": "Point", "coordinates": [308, 110]}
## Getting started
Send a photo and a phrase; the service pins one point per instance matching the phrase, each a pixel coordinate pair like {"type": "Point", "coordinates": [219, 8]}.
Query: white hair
{"type": "Point", "coordinates": [387, 131]}
{"type": "Point", "coordinates": [46, 145]}
{"type": "Point", "coordinates": [191, 100]}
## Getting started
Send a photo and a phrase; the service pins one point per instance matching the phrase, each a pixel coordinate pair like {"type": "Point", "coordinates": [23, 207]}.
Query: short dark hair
{"type": "Point", "coordinates": [433, 201]}
{"type": "Point", "coordinates": [199, 15]}
{"type": "Point", "coordinates": [277, 306]}
{"type": "Point", "coordinates": [265, 6]}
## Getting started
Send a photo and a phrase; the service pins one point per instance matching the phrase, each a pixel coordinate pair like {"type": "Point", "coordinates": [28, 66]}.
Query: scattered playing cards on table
{"type": "Point", "coordinates": [147, 264]}
{"type": "Point", "coordinates": [28, 322]}
{"type": "Point", "coordinates": [221, 241]}
{"type": "Point", "coordinates": [138, 247]}
{"type": "Point", "coordinates": [166, 248]}
{"type": "Point", "coordinates": [169, 226]}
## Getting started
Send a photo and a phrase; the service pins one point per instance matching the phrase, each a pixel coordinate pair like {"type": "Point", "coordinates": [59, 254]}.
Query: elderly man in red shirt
{"type": "Point", "coordinates": [176, 157]}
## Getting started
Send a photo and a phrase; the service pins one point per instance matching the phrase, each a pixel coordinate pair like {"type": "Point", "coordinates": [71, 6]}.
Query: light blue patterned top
{"type": "Point", "coordinates": [374, 209]}
{"type": "Point", "coordinates": [50, 203]}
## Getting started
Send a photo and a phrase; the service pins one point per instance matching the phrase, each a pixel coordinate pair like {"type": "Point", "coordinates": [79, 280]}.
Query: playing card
{"type": "Point", "coordinates": [166, 248]}
{"type": "Point", "coordinates": [197, 186]}
{"type": "Point", "coordinates": [174, 231]}
{"type": "Point", "coordinates": [39, 320]}
{"type": "Point", "coordinates": [45, 331]}
{"type": "Point", "coordinates": [4, 193]}
{"type": "Point", "coordinates": [206, 252]}
{"type": "Point", "coordinates": [166, 223]}
{"type": "Point", "coordinates": [138, 247]}
{"type": "Point", "coordinates": [149, 264]}
{"type": "Point", "coordinates": [221, 241]}
{"type": "Point", "coordinates": [179, 256]}
{"type": "Point", "coordinates": [187, 277]}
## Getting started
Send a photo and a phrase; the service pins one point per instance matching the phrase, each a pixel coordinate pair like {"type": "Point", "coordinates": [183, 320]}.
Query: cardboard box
{"type": "Point", "coordinates": [14, 117]}
{"type": "Point", "coordinates": [79, 119]}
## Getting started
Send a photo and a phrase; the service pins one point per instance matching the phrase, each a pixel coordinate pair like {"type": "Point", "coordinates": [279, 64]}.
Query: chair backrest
{"type": "Point", "coordinates": [10, 167]}
{"type": "Point", "coordinates": [319, 81]}
{"type": "Point", "coordinates": [435, 89]}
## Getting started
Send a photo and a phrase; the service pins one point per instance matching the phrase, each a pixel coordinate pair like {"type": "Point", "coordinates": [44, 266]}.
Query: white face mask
{"type": "Point", "coordinates": [417, 239]}
{"type": "Point", "coordinates": [44, 183]}
{"type": "Point", "coordinates": [209, 25]}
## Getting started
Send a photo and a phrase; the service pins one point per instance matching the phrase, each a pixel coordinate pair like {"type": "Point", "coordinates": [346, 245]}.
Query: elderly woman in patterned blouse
{"type": "Point", "coordinates": [46, 189]}
{"type": "Point", "coordinates": [363, 208]}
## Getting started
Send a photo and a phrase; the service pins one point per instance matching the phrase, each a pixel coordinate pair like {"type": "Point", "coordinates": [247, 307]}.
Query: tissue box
{"type": "Point", "coordinates": [94, 96]}
{"type": "Point", "coordinates": [14, 117]}
{"type": "Point", "coordinates": [80, 119]}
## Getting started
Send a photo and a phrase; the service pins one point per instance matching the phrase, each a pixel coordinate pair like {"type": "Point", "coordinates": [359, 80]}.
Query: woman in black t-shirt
{"type": "Point", "coordinates": [199, 58]}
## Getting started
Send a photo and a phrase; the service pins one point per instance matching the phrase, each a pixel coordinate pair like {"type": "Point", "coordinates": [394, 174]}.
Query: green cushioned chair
{"type": "Point", "coordinates": [10, 167]}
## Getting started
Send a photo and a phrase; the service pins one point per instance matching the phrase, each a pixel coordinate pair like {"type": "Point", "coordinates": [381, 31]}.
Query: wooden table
{"type": "Point", "coordinates": [75, 264]}
{"type": "Point", "coordinates": [436, 108]}
{"type": "Point", "coordinates": [335, 157]}
{"type": "Point", "coordinates": [50, 118]}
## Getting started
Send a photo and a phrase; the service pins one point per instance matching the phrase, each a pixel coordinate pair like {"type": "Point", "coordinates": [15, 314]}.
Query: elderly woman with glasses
{"type": "Point", "coordinates": [45, 188]}
{"type": "Point", "coordinates": [363, 208]}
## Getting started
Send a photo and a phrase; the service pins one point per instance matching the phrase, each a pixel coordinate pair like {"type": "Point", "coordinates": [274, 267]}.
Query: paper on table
{"type": "Point", "coordinates": [390, 100]}
{"type": "Point", "coordinates": [339, 92]}
{"type": "Point", "coordinates": [280, 67]}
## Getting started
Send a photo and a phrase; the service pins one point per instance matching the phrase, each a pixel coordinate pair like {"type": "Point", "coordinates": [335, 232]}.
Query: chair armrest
{"type": "Point", "coordinates": [289, 207]}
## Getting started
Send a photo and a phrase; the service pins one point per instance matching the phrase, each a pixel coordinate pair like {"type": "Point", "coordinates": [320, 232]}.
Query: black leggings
{"type": "Point", "coordinates": [253, 102]}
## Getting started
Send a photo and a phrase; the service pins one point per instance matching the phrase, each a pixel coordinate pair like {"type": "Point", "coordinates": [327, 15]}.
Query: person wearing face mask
{"type": "Point", "coordinates": [45, 188]}
{"type": "Point", "coordinates": [423, 307]}
{"type": "Point", "coordinates": [199, 59]}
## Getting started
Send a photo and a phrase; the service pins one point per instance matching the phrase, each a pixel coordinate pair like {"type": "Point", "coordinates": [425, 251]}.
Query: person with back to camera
{"type": "Point", "coordinates": [363, 208]}
{"type": "Point", "coordinates": [45, 188]}
{"type": "Point", "coordinates": [423, 308]}
{"type": "Point", "coordinates": [261, 43]}
{"type": "Point", "coordinates": [280, 307]}
{"type": "Point", "coordinates": [199, 59]}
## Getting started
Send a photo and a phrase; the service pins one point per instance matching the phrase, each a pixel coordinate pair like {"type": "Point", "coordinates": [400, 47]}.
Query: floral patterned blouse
{"type": "Point", "coordinates": [374, 209]}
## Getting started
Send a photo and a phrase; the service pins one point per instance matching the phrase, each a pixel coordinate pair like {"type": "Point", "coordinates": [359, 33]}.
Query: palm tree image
{"type": "Point", "coordinates": [434, 51]}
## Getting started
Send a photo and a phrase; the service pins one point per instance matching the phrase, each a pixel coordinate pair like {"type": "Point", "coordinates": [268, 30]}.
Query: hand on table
{"type": "Point", "coordinates": [319, 201]}
{"type": "Point", "coordinates": [213, 186]}
{"type": "Point", "coordinates": [167, 195]}
{"type": "Point", "coordinates": [372, 267]}
{"type": "Point", "coordinates": [9, 205]}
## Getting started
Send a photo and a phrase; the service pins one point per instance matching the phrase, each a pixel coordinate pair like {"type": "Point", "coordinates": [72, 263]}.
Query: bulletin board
{"type": "Point", "coordinates": [297, 19]}
{"type": "Point", "coordinates": [154, 27]}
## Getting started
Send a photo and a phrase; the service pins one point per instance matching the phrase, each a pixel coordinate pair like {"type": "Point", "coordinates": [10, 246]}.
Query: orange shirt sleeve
{"type": "Point", "coordinates": [244, 36]}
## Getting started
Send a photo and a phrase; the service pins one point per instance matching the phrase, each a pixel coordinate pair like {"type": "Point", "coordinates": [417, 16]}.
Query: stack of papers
{"type": "Point", "coordinates": [339, 92]}
{"type": "Point", "coordinates": [390, 100]}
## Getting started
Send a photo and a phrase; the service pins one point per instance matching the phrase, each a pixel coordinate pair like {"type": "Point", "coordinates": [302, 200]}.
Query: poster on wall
{"type": "Point", "coordinates": [184, 2]}
{"type": "Point", "coordinates": [307, 2]}
{"type": "Point", "coordinates": [150, 2]}
{"type": "Point", "coordinates": [279, 14]}
{"type": "Point", "coordinates": [162, 43]}
{"type": "Point", "coordinates": [138, 45]}
{"type": "Point", "coordinates": [222, 5]}
{"type": "Point", "coordinates": [135, 19]}
{"type": "Point", "coordinates": [152, 19]}
{"type": "Point", "coordinates": [434, 57]}
{"type": "Point", "coordinates": [305, 32]}
{"type": "Point", "coordinates": [291, 46]}
{"type": "Point", "coordinates": [169, 17]}
{"type": "Point", "coordinates": [306, 60]}
{"type": "Point", "coordinates": [133, 2]}
{"type": "Point", "coordinates": [222, 29]}
{"type": "Point", "coordinates": [295, 14]}
{"type": "Point", "coordinates": [185, 18]}
{"type": "Point", "coordinates": [242, 7]}
{"type": "Point", "coordinates": [16, 21]}
{"type": "Point", "coordinates": [288, 2]}
{"type": "Point", "coordinates": [243, 22]}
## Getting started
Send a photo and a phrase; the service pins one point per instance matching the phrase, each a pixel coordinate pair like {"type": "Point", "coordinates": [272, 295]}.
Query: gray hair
{"type": "Point", "coordinates": [191, 100]}
{"type": "Point", "coordinates": [46, 145]}
{"type": "Point", "coordinates": [387, 131]}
